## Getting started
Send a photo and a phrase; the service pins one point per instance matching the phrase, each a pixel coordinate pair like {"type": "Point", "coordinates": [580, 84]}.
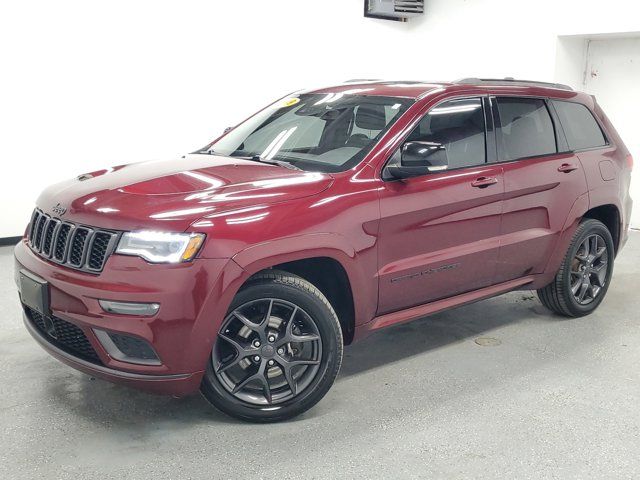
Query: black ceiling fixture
{"type": "Point", "coordinates": [397, 10]}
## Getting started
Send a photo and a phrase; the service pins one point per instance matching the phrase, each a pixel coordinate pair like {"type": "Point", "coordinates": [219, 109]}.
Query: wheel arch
{"type": "Point", "coordinates": [606, 212]}
{"type": "Point", "coordinates": [329, 264]}
{"type": "Point", "coordinates": [329, 276]}
{"type": "Point", "coordinates": [609, 215]}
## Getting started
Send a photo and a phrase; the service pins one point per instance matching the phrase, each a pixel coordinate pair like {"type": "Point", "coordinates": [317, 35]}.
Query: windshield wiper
{"type": "Point", "coordinates": [280, 163]}
{"type": "Point", "coordinates": [204, 151]}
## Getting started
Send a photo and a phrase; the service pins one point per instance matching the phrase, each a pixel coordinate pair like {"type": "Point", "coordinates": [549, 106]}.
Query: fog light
{"type": "Point", "coordinates": [126, 308]}
{"type": "Point", "coordinates": [126, 348]}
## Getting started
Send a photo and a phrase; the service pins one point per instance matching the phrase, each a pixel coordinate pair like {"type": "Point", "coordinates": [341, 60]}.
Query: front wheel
{"type": "Point", "coordinates": [278, 351]}
{"type": "Point", "coordinates": [583, 279]}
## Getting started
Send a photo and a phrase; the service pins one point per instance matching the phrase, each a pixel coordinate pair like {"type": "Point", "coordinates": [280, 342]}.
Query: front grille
{"type": "Point", "coordinates": [64, 335]}
{"type": "Point", "coordinates": [75, 246]}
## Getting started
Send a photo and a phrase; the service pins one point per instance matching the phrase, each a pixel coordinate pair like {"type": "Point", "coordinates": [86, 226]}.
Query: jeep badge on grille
{"type": "Point", "coordinates": [59, 210]}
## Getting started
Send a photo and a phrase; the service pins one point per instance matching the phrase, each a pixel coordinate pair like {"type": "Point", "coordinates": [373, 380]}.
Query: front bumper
{"type": "Point", "coordinates": [178, 384]}
{"type": "Point", "coordinates": [193, 299]}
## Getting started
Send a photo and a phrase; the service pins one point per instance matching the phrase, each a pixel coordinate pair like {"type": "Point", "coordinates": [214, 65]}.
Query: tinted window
{"type": "Point", "coordinates": [458, 126]}
{"type": "Point", "coordinates": [525, 128]}
{"type": "Point", "coordinates": [580, 128]}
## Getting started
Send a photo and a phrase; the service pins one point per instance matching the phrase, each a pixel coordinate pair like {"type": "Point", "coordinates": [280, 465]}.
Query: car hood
{"type": "Point", "coordinates": [171, 195]}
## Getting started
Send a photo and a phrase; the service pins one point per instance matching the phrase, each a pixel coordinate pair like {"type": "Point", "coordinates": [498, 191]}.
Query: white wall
{"type": "Point", "coordinates": [613, 76]}
{"type": "Point", "coordinates": [608, 66]}
{"type": "Point", "coordinates": [89, 84]}
{"type": "Point", "coordinates": [571, 61]}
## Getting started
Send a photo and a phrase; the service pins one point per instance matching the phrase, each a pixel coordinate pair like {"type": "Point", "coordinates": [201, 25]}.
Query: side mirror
{"type": "Point", "coordinates": [419, 158]}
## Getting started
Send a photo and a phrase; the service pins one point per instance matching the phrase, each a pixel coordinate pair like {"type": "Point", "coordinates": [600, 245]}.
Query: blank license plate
{"type": "Point", "coordinates": [34, 292]}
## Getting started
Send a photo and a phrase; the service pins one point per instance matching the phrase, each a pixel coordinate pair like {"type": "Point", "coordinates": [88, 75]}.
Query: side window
{"type": "Point", "coordinates": [525, 128]}
{"type": "Point", "coordinates": [458, 127]}
{"type": "Point", "coordinates": [581, 129]}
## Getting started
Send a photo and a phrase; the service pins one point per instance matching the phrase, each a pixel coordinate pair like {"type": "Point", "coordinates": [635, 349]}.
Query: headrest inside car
{"type": "Point", "coordinates": [371, 117]}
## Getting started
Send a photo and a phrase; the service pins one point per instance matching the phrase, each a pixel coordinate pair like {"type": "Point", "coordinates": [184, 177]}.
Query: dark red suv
{"type": "Point", "coordinates": [243, 268]}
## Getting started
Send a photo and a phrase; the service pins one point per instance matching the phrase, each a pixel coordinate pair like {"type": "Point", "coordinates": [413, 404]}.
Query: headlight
{"type": "Point", "coordinates": [161, 247]}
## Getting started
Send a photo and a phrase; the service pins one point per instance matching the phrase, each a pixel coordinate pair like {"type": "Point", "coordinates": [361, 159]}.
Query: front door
{"type": "Point", "coordinates": [439, 233]}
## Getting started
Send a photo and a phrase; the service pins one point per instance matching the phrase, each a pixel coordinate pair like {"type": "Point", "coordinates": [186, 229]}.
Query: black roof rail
{"type": "Point", "coordinates": [511, 81]}
{"type": "Point", "coordinates": [357, 80]}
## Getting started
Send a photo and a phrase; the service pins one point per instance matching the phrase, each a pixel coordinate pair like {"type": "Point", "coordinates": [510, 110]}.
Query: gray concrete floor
{"type": "Point", "coordinates": [556, 398]}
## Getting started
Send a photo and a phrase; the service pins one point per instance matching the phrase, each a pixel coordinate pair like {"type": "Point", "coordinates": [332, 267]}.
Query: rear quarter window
{"type": "Point", "coordinates": [580, 127]}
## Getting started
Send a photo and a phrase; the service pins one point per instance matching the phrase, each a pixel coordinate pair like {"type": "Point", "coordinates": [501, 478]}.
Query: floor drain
{"type": "Point", "coordinates": [488, 342]}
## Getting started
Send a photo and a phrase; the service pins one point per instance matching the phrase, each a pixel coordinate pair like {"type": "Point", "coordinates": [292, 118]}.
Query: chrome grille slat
{"type": "Point", "coordinates": [101, 243]}
{"type": "Point", "coordinates": [61, 242]}
{"type": "Point", "coordinates": [33, 224]}
{"type": "Point", "coordinates": [75, 246]}
{"type": "Point", "coordinates": [78, 246]}
{"type": "Point", "coordinates": [49, 236]}
{"type": "Point", "coordinates": [37, 243]}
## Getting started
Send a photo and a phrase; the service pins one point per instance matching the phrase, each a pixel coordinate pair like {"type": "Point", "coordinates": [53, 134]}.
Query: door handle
{"type": "Point", "coordinates": [484, 182]}
{"type": "Point", "coordinates": [567, 167]}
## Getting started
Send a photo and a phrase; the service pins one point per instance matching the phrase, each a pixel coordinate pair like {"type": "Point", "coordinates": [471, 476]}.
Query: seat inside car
{"type": "Point", "coordinates": [371, 118]}
{"type": "Point", "coordinates": [522, 141]}
{"type": "Point", "coordinates": [461, 133]}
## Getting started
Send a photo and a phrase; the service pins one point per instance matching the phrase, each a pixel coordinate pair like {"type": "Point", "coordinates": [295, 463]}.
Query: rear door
{"type": "Point", "coordinates": [542, 180]}
{"type": "Point", "coordinates": [439, 233]}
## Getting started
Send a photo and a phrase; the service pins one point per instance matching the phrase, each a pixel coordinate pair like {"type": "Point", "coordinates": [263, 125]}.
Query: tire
{"type": "Point", "coordinates": [277, 323]}
{"type": "Point", "coordinates": [559, 296]}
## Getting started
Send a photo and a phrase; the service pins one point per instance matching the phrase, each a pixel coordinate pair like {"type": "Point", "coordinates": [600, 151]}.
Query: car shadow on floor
{"type": "Point", "coordinates": [105, 403]}
{"type": "Point", "coordinates": [452, 326]}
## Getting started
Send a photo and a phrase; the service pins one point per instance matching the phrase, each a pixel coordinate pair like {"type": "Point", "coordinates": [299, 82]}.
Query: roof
{"type": "Point", "coordinates": [418, 89]}
{"type": "Point", "coordinates": [405, 89]}
{"type": "Point", "coordinates": [510, 81]}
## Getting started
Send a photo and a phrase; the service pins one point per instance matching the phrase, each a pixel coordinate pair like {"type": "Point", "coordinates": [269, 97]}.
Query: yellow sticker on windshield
{"type": "Point", "coordinates": [290, 102]}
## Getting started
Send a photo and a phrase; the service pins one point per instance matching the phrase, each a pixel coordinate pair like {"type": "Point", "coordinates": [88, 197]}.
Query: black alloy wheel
{"type": "Point", "coordinates": [585, 274]}
{"type": "Point", "coordinates": [278, 350]}
{"type": "Point", "coordinates": [270, 350]}
{"type": "Point", "coordinates": [589, 269]}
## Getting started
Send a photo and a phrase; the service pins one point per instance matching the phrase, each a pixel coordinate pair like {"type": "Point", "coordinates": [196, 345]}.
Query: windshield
{"type": "Point", "coordinates": [314, 132]}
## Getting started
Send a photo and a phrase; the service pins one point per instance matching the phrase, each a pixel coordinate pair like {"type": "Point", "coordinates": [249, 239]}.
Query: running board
{"type": "Point", "coordinates": [445, 304]}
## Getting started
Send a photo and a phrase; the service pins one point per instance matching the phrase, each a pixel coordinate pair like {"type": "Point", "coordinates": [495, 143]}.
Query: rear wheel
{"type": "Point", "coordinates": [583, 279]}
{"type": "Point", "coordinates": [278, 350]}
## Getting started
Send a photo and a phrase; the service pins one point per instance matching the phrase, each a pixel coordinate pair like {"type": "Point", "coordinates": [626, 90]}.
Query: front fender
{"type": "Point", "coordinates": [364, 285]}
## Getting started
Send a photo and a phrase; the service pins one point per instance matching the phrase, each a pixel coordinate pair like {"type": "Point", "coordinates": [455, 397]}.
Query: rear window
{"type": "Point", "coordinates": [525, 128]}
{"type": "Point", "coordinates": [580, 128]}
